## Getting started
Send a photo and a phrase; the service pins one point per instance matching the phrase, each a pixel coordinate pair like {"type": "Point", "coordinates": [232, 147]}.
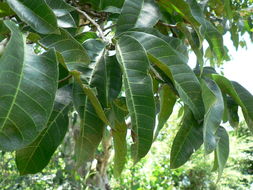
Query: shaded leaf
{"type": "Point", "coordinates": [188, 139]}
{"type": "Point", "coordinates": [36, 156]}
{"type": "Point", "coordinates": [139, 95]}
{"type": "Point", "coordinates": [214, 107]}
{"type": "Point", "coordinates": [222, 151]}
{"type": "Point", "coordinates": [5, 10]}
{"type": "Point", "coordinates": [28, 86]}
{"type": "Point", "coordinates": [240, 95]}
{"type": "Point", "coordinates": [36, 14]}
{"type": "Point", "coordinates": [167, 102]}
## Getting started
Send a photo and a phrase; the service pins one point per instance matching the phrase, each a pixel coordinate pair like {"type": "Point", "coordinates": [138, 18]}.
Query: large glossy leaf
{"type": "Point", "coordinates": [137, 14]}
{"type": "Point", "coordinates": [62, 11]}
{"type": "Point", "coordinates": [240, 95]}
{"type": "Point", "coordinates": [140, 102]}
{"type": "Point", "coordinates": [27, 91]}
{"type": "Point", "coordinates": [167, 102]}
{"type": "Point", "coordinates": [174, 65]}
{"type": "Point", "coordinates": [37, 14]}
{"type": "Point", "coordinates": [188, 139]}
{"type": "Point", "coordinates": [36, 156]}
{"type": "Point", "coordinates": [233, 116]}
{"type": "Point", "coordinates": [75, 56]}
{"type": "Point", "coordinates": [222, 151]}
{"type": "Point", "coordinates": [214, 107]}
{"type": "Point", "coordinates": [89, 108]}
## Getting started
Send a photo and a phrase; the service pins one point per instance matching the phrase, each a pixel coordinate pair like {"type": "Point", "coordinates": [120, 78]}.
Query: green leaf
{"type": "Point", "coordinates": [28, 87]}
{"type": "Point", "coordinates": [119, 133]}
{"type": "Point", "coordinates": [36, 156]}
{"type": "Point", "coordinates": [167, 102]}
{"type": "Point", "coordinates": [174, 65]}
{"type": "Point", "coordinates": [209, 31]}
{"type": "Point", "coordinates": [114, 77]}
{"type": "Point", "coordinates": [188, 139]}
{"type": "Point", "coordinates": [62, 11]}
{"type": "Point", "coordinates": [36, 14]}
{"type": "Point", "coordinates": [183, 8]}
{"type": "Point", "coordinates": [214, 107]}
{"type": "Point", "coordinates": [137, 14]}
{"type": "Point", "coordinates": [5, 10]}
{"type": "Point", "coordinates": [233, 117]}
{"type": "Point", "coordinates": [75, 56]}
{"type": "Point", "coordinates": [139, 93]}
{"type": "Point", "coordinates": [90, 105]}
{"type": "Point", "coordinates": [222, 151]}
{"type": "Point", "coordinates": [240, 95]}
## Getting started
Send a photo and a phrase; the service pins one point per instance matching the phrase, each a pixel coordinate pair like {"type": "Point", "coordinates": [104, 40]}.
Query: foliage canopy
{"type": "Point", "coordinates": [116, 61]}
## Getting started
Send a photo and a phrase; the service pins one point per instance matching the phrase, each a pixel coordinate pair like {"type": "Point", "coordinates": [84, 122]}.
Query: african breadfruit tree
{"type": "Point", "coordinates": [112, 61]}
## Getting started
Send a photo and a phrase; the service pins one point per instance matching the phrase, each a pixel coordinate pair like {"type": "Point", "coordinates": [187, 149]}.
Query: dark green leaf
{"type": "Point", "coordinates": [222, 151]}
{"type": "Point", "coordinates": [28, 86]}
{"type": "Point", "coordinates": [167, 102]}
{"type": "Point", "coordinates": [75, 56]}
{"type": "Point", "coordinates": [240, 95]}
{"type": "Point", "coordinates": [137, 14]}
{"type": "Point", "coordinates": [36, 156]}
{"type": "Point", "coordinates": [62, 11]}
{"type": "Point", "coordinates": [173, 64]}
{"type": "Point", "coordinates": [140, 102]}
{"type": "Point", "coordinates": [37, 14]}
{"type": "Point", "coordinates": [214, 107]}
{"type": "Point", "coordinates": [188, 139]}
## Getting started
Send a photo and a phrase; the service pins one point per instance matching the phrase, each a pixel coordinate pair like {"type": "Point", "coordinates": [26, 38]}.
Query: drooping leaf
{"type": "Point", "coordinates": [188, 139]}
{"type": "Point", "coordinates": [214, 108]}
{"type": "Point", "coordinates": [233, 116]}
{"type": "Point", "coordinates": [36, 14]}
{"type": "Point", "coordinates": [138, 85]}
{"type": "Point", "coordinates": [62, 11]}
{"type": "Point", "coordinates": [27, 91]}
{"type": "Point", "coordinates": [222, 151]}
{"type": "Point", "coordinates": [240, 95]}
{"type": "Point", "coordinates": [90, 106]}
{"type": "Point", "coordinates": [35, 157]}
{"type": "Point", "coordinates": [114, 77]}
{"type": "Point", "coordinates": [119, 133]}
{"type": "Point", "coordinates": [173, 64]}
{"type": "Point", "coordinates": [167, 102]}
{"type": "Point", "coordinates": [137, 14]}
{"type": "Point", "coordinates": [75, 56]}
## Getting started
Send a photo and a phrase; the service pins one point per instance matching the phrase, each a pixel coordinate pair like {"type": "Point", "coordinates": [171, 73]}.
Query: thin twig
{"type": "Point", "coordinates": [109, 27]}
{"type": "Point", "coordinates": [100, 31]}
{"type": "Point", "coordinates": [167, 25]}
{"type": "Point", "coordinates": [64, 79]}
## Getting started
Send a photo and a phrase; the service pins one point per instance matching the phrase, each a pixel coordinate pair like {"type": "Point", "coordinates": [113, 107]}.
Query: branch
{"type": "Point", "coordinates": [167, 25]}
{"type": "Point", "coordinates": [100, 31]}
{"type": "Point", "coordinates": [64, 79]}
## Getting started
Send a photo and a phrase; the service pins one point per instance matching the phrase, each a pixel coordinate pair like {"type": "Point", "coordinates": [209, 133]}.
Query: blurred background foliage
{"type": "Point", "coordinates": [152, 172]}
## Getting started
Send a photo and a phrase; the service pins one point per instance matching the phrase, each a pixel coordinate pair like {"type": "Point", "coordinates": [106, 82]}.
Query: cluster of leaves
{"type": "Point", "coordinates": [134, 69]}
